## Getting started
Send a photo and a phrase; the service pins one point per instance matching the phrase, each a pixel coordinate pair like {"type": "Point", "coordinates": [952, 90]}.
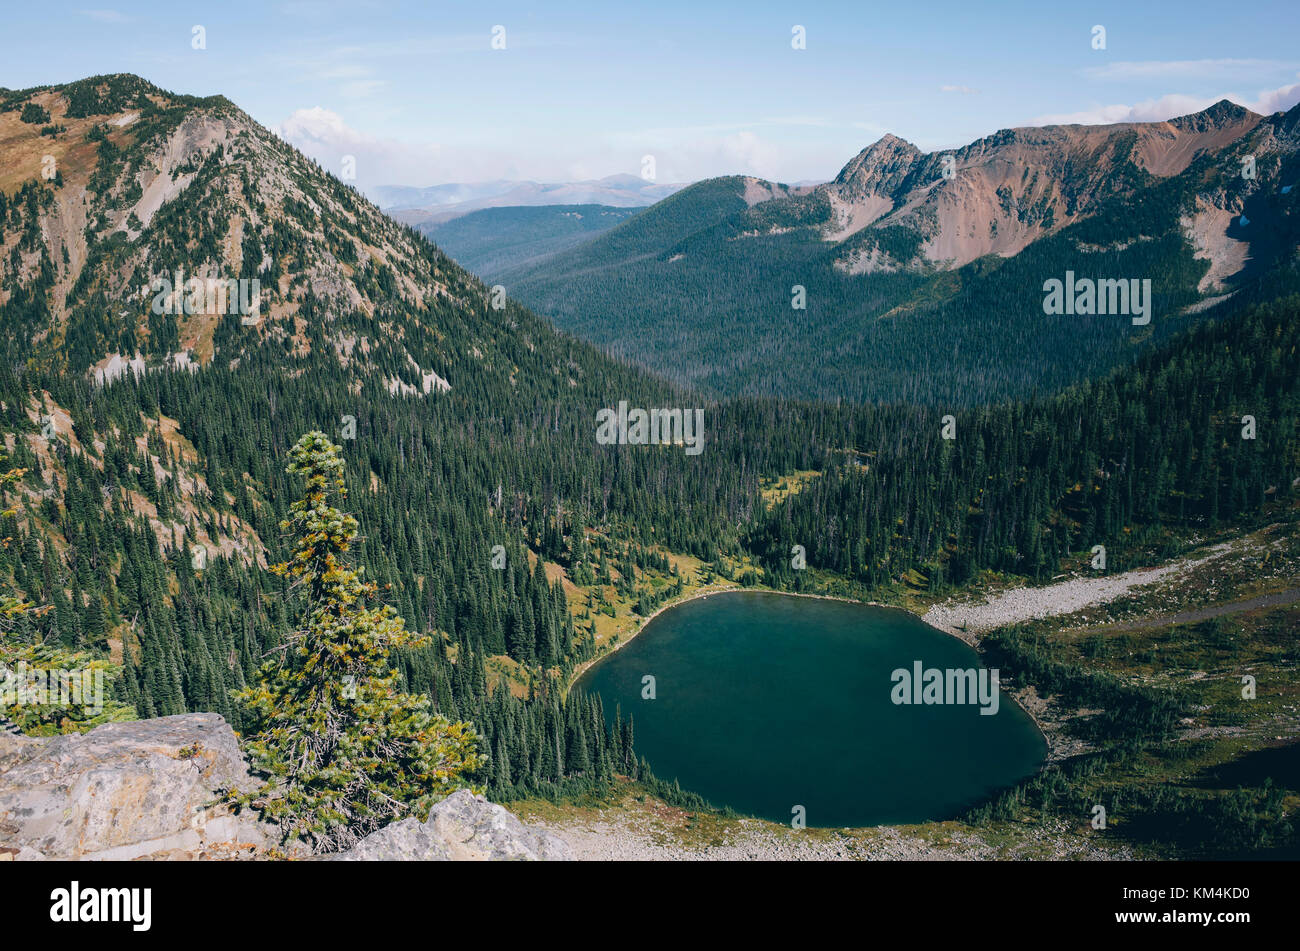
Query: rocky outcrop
{"type": "Point", "coordinates": [1001, 193]}
{"type": "Point", "coordinates": [9, 853]}
{"type": "Point", "coordinates": [127, 790]}
{"type": "Point", "coordinates": [156, 789]}
{"type": "Point", "coordinates": [463, 827]}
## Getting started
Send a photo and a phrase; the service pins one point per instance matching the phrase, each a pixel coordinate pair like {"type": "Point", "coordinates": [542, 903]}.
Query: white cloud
{"type": "Point", "coordinates": [325, 136]}
{"type": "Point", "coordinates": [776, 149]}
{"type": "Point", "coordinates": [747, 152]}
{"type": "Point", "coordinates": [316, 123]}
{"type": "Point", "coordinates": [965, 90]}
{"type": "Point", "coordinates": [1266, 102]}
{"type": "Point", "coordinates": [1277, 100]}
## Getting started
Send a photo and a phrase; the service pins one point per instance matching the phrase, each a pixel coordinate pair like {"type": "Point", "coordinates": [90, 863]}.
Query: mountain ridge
{"type": "Point", "coordinates": [901, 232]}
{"type": "Point", "coordinates": [149, 186]}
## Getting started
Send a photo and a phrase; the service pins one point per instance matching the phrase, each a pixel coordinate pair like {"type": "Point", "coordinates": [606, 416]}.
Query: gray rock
{"type": "Point", "coordinates": [126, 790]}
{"type": "Point", "coordinates": [155, 789]}
{"type": "Point", "coordinates": [463, 827]}
{"type": "Point", "coordinates": [406, 841]}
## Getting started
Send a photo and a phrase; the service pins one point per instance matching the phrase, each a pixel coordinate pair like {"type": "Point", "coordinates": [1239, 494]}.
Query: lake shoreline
{"type": "Point", "coordinates": [700, 595]}
{"type": "Point", "coordinates": [1025, 697]}
{"type": "Point", "coordinates": [1050, 730]}
{"type": "Point", "coordinates": [609, 652]}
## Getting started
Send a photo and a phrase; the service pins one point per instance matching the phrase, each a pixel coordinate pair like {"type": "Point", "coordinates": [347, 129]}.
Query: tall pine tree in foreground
{"type": "Point", "coordinates": [346, 752]}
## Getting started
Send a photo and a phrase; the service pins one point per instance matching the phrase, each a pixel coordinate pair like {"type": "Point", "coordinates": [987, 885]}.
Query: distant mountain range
{"type": "Point", "coordinates": [922, 275]}
{"type": "Point", "coordinates": [439, 203]}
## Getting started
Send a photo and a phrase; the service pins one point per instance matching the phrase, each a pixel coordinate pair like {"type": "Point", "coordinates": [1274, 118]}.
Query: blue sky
{"type": "Point", "coordinates": [417, 94]}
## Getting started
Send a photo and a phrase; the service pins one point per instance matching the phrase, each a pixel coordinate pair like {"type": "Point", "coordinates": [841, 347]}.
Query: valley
{"type": "Point", "coordinates": [498, 239]}
{"type": "Point", "coordinates": [190, 498]}
{"type": "Point", "coordinates": [929, 271]}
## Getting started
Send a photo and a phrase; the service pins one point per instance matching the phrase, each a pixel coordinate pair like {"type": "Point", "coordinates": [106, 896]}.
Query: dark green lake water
{"type": "Point", "coordinates": [766, 701]}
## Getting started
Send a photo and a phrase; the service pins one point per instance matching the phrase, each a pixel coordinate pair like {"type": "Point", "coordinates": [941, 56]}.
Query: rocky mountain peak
{"type": "Point", "coordinates": [878, 166]}
{"type": "Point", "coordinates": [1222, 113]}
{"type": "Point", "coordinates": [145, 226]}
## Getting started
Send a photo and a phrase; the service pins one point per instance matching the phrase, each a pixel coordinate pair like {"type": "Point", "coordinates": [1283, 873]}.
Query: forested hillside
{"type": "Point", "coordinates": [129, 471]}
{"type": "Point", "coordinates": [923, 281]}
{"type": "Point", "coordinates": [492, 240]}
{"type": "Point", "coordinates": [1201, 433]}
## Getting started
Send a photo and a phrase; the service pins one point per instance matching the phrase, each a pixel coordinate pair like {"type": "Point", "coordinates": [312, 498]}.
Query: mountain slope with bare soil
{"type": "Point", "coordinates": [921, 276]}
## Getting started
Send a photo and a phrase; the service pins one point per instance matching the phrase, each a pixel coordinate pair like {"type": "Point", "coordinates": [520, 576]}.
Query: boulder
{"type": "Point", "coordinates": [157, 788]}
{"type": "Point", "coordinates": [463, 827]}
{"type": "Point", "coordinates": [127, 790]}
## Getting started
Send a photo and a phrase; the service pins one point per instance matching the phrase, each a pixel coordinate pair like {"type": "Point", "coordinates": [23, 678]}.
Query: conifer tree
{"type": "Point", "coordinates": [59, 709]}
{"type": "Point", "coordinates": [345, 750]}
